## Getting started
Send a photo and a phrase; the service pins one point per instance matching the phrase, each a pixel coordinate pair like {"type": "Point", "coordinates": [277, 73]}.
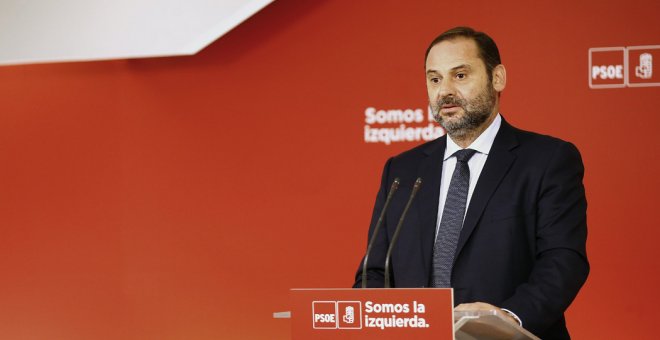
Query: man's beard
{"type": "Point", "coordinates": [475, 112]}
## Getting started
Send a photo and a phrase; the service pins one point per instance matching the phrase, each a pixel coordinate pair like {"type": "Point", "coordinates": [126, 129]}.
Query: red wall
{"type": "Point", "coordinates": [180, 198]}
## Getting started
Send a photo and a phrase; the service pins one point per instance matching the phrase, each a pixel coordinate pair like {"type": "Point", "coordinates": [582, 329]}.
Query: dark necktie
{"type": "Point", "coordinates": [452, 221]}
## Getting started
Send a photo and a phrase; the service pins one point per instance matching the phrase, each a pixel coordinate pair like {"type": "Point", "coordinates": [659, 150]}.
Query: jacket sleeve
{"type": "Point", "coordinates": [560, 265]}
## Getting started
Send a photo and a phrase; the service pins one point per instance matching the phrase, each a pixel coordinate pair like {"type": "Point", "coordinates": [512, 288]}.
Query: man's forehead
{"type": "Point", "coordinates": [450, 54]}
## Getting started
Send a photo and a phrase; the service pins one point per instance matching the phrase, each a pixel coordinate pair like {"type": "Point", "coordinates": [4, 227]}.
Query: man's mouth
{"type": "Point", "coordinates": [449, 109]}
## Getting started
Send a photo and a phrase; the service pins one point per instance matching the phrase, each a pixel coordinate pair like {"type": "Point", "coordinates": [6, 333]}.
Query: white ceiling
{"type": "Point", "coordinates": [33, 31]}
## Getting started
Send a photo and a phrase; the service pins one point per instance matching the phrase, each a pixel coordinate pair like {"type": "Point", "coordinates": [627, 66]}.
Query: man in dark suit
{"type": "Point", "coordinates": [521, 247]}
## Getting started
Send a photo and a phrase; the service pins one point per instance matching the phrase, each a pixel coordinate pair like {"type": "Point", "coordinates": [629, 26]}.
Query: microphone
{"type": "Point", "coordinates": [393, 188]}
{"type": "Point", "coordinates": [418, 184]}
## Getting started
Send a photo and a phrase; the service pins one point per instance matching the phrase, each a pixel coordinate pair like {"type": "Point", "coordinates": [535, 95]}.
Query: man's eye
{"type": "Point", "coordinates": [435, 80]}
{"type": "Point", "coordinates": [461, 75]}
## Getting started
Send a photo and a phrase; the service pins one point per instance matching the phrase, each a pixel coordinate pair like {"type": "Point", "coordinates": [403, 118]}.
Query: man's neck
{"type": "Point", "coordinates": [466, 138]}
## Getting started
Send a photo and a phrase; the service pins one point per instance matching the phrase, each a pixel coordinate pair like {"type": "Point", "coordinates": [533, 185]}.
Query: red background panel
{"type": "Point", "coordinates": [180, 198]}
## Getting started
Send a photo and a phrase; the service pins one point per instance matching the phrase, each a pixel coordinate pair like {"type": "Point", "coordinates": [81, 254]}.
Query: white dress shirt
{"type": "Point", "coordinates": [482, 145]}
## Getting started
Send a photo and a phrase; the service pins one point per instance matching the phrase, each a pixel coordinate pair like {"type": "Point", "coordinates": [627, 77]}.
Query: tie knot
{"type": "Point", "coordinates": [464, 155]}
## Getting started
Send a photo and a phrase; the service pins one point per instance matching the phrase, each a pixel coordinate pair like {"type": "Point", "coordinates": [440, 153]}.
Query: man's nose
{"type": "Point", "coordinates": [446, 88]}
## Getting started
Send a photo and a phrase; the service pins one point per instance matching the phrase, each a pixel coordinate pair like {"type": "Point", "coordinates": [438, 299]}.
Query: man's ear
{"type": "Point", "coordinates": [499, 78]}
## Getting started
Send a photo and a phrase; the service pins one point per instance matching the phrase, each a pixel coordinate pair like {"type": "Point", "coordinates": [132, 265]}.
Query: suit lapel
{"type": "Point", "coordinates": [431, 173]}
{"type": "Point", "coordinates": [497, 165]}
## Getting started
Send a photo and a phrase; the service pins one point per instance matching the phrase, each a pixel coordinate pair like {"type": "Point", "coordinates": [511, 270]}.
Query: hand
{"type": "Point", "coordinates": [475, 306]}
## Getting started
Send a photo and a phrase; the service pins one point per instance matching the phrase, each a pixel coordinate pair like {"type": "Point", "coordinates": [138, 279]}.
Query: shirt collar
{"type": "Point", "coordinates": [482, 144]}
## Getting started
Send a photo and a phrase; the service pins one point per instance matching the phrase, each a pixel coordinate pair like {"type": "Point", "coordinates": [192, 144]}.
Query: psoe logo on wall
{"type": "Point", "coordinates": [632, 66]}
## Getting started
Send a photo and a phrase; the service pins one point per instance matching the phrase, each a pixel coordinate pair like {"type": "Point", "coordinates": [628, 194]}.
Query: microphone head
{"type": "Point", "coordinates": [395, 184]}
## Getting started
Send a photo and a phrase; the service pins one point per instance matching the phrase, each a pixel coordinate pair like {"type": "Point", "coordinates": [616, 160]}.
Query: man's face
{"type": "Point", "coordinates": [461, 95]}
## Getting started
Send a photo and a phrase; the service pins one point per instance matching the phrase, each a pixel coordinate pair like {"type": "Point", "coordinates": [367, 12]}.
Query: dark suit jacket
{"type": "Point", "coordinates": [522, 246]}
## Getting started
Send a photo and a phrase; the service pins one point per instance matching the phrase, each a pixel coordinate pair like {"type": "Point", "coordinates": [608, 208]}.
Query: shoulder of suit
{"type": "Point", "coordinates": [535, 149]}
{"type": "Point", "coordinates": [422, 150]}
{"type": "Point", "coordinates": [526, 139]}
{"type": "Point", "coordinates": [534, 138]}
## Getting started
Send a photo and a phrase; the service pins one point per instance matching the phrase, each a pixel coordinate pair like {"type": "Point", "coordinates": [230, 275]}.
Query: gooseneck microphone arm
{"type": "Point", "coordinates": [393, 188]}
{"type": "Point", "coordinates": [418, 184]}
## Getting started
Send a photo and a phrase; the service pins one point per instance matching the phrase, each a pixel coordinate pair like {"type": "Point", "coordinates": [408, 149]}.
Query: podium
{"type": "Point", "coordinates": [397, 313]}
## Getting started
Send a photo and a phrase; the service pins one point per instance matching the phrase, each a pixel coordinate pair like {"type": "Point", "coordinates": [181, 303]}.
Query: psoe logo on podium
{"type": "Point", "coordinates": [640, 69]}
{"type": "Point", "coordinates": [607, 67]}
{"type": "Point", "coordinates": [349, 314]}
{"type": "Point", "coordinates": [337, 314]}
{"type": "Point", "coordinates": [324, 314]}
